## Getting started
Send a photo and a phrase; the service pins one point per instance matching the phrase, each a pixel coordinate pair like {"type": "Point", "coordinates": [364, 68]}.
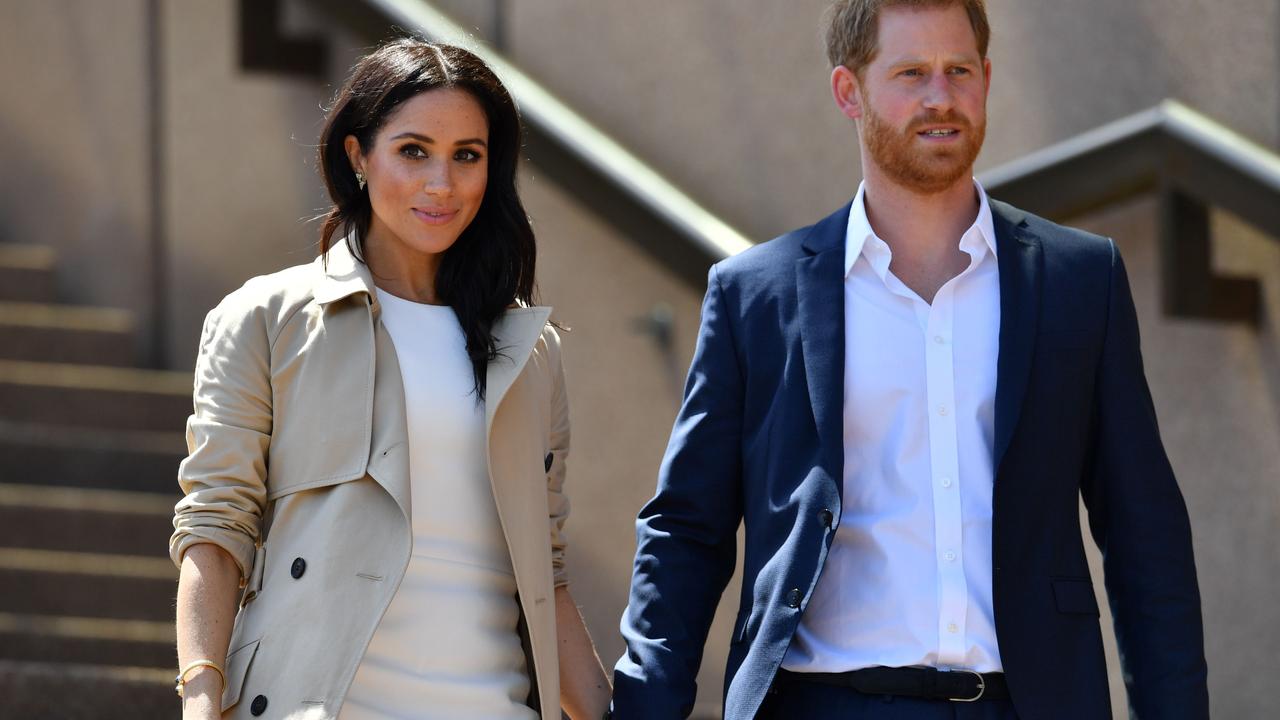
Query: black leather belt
{"type": "Point", "coordinates": [930, 683]}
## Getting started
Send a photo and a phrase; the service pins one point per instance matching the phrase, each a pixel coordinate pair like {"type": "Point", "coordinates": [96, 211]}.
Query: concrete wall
{"type": "Point", "coordinates": [75, 138]}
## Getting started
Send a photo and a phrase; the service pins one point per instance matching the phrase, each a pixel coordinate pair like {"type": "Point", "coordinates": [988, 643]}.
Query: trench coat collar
{"type": "Point", "coordinates": [342, 275]}
{"type": "Point", "coordinates": [516, 331]}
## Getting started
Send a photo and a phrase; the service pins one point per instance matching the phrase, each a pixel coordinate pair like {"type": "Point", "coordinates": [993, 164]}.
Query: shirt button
{"type": "Point", "coordinates": [950, 556]}
{"type": "Point", "coordinates": [299, 566]}
{"type": "Point", "coordinates": [258, 706]}
{"type": "Point", "coordinates": [946, 482]}
{"type": "Point", "coordinates": [942, 410]}
{"type": "Point", "coordinates": [939, 340]}
{"type": "Point", "coordinates": [953, 628]}
{"type": "Point", "coordinates": [793, 598]}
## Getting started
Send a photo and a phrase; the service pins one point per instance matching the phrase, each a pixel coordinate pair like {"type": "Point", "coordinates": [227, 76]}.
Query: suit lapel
{"type": "Point", "coordinates": [1020, 269]}
{"type": "Point", "coordinates": [820, 302]}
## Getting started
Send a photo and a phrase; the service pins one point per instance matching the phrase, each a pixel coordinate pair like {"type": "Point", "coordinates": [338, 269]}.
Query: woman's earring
{"type": "Point", "coordinates": [360, 179]}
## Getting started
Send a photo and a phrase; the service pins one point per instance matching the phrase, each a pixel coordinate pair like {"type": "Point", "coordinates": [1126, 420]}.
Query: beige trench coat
{"type": "Point", "coordinates": [298, 467]}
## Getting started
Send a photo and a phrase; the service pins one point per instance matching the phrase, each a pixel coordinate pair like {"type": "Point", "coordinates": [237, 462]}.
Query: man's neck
{"type": "Point", "coordinates": [922, 231]}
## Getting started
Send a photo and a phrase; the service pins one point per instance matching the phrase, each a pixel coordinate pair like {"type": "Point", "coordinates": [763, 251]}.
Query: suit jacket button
{"type": "Point", "coordinates": [793, 598]}
{"type": "Point", "coordinates": [259, 705]}
{"type": "Point", "coordinates": [299, 566]}
{"type": "Point", "coordinates": [825, 517]}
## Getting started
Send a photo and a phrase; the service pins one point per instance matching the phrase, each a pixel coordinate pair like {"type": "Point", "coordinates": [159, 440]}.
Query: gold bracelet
{"type": "Point", "coordinates": [180, 681]}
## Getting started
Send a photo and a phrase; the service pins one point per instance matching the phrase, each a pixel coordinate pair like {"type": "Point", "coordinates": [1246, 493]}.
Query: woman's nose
{"type": "Point", "coordinates": [438, 180]}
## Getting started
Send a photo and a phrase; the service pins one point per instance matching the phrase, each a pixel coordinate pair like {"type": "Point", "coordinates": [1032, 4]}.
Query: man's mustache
{"type": "Point", "coordinates": [950, 117]}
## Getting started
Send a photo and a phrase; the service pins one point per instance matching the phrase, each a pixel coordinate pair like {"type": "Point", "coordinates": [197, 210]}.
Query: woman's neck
{"type": "Point", "coordinates": [399, 269]}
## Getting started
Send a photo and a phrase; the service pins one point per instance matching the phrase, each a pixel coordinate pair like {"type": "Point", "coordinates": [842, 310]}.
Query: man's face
{"type": "Point", "coordinates": [924, 98]}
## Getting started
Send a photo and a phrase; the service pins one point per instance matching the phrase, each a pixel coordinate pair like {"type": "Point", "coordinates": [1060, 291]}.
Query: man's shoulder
{"type": "Point", "coordinates": [1058, 239]}
{"type": "Point", "coordinates": [775, 258]}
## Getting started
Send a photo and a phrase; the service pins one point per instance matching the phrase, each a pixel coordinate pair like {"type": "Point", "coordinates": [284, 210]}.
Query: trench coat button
{"type": "Point", "coordinates": [547, 462]}
{"type": "Point", "coordinates": [259, 705]}
{"type": "Point", "coordinates": [793, 598]}
{"type": "Point", "coordinates": [299, 566]}
{"type": "Point", "coordinates": [826, 518]}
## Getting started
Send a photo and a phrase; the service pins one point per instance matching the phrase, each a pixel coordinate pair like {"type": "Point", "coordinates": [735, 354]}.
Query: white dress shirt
{"type": "Point", "coordinates": [907, 581]}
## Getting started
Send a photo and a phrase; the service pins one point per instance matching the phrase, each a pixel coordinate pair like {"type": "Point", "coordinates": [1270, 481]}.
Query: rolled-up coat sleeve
{"type": "Point", "coordinates": [228, 436]}
{"type": "Point", "coordinates": [557, 501]}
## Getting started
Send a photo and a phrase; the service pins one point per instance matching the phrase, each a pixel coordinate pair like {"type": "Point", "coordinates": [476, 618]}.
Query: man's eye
{"type": "Point", "coordinates": [913, 72]}
{"type": "Point", "coordinates": [960, 71]}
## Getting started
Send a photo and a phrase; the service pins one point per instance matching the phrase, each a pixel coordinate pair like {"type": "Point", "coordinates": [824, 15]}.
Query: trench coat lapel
{"type": "Point", "coordinates": [516, 332]}
{"type": "Point", "coordinates": [375, 416]}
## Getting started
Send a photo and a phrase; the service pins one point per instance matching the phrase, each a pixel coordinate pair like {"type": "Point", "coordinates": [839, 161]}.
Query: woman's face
{"type": "Point", "coordinates": [426, 171]}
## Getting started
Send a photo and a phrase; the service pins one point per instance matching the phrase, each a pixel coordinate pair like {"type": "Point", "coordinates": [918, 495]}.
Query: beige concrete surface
{"type": "Point", "coordinates": [74, 136]}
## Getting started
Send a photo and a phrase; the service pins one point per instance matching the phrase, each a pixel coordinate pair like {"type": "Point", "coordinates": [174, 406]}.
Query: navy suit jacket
{"type": "Point", "coordinates": [758, 441]}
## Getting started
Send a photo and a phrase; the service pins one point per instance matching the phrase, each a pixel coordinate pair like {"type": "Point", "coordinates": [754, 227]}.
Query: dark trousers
{"type": "Point", "coordinates": [801, 700]}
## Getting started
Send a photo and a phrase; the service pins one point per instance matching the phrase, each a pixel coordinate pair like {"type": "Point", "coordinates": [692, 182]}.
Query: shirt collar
{"type": "Point", "coordinates": [860, 239]}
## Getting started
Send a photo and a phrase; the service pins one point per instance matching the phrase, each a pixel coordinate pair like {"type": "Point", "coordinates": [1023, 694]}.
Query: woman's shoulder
{"type": "Point", "coordinates": [270, 299]}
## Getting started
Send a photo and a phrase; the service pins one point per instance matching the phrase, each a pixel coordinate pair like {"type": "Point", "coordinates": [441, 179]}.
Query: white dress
{"type": "Point", "coordinates": [448, 645]}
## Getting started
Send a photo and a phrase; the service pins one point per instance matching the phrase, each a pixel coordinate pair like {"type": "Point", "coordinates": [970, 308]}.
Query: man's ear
{"type": "Point", "coordinates": [354, 155]}
{"type": "Point", "coordinates": [844, 89]}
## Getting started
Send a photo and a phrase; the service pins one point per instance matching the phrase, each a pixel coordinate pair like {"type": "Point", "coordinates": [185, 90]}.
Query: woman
{"type": "Point", "coordinates": [379, 437]}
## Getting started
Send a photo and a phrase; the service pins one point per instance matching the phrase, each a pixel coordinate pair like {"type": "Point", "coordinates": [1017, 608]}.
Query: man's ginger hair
{"type": "Point", "coordinates": [853, 27]}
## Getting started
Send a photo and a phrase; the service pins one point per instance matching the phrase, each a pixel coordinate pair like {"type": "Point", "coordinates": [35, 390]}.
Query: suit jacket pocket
{"type": "Point", "coordinates": [238, 662]}
{"type": "Point", "coordinates": [1075, 596]}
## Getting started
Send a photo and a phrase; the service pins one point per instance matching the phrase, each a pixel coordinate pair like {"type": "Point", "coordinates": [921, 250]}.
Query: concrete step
{"type": "Point", "coordinates": [92, 585]}
{"type": "Point", "coordinates": [52, 455]}
{"type": "Point", "coordinates": [66, 334]}
{"type": "Point", "coordinates": [26, 273]}
{"type": "Point", "coordinates": [61, 691]}
{"type": "Point", "coordinates": [94, 396]}
{"type": "Point", "coordinates": [91, 641]}
{"type": "Point", "coordinates": [69, 519]}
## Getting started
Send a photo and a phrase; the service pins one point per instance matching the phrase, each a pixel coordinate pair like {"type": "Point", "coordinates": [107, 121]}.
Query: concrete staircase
{"type": "Point", "coordinates": [89, 449]}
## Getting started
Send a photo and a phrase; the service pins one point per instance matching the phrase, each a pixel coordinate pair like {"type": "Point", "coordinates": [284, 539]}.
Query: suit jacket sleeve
{"type": "Point", "coordinates": [686, 535]}
{"type": "Point", "coordinates": [1139, 520]}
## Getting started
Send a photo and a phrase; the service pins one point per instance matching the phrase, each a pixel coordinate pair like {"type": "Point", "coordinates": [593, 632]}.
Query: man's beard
{"type": "Point", "coordinates": [917, 167]}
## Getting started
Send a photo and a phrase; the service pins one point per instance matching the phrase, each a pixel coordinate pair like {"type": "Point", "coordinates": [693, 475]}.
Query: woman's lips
{"type": "Point", "coordinates": [434, 217]}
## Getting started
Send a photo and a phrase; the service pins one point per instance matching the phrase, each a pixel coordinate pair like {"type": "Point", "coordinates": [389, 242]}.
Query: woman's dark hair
{"type": "Point", "coordinates": [491, 265]}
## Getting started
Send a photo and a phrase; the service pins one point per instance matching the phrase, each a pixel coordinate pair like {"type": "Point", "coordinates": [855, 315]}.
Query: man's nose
{"type": "Point", "coordinates": [939, 95]}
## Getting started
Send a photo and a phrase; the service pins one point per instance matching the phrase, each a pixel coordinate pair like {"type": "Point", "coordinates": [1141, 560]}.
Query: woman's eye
{"type": "Point", "coordinates": [467, 156]}
{"type": "Point", "coordinates": [413, 151]}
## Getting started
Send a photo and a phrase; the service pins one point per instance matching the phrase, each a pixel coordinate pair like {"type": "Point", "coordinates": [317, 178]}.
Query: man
{"type": "Point", "coordinates": [902, 403]}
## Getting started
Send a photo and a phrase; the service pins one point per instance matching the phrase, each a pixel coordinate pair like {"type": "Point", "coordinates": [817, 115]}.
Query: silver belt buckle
{"type": "Point", "coordinates": [982, 687]}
